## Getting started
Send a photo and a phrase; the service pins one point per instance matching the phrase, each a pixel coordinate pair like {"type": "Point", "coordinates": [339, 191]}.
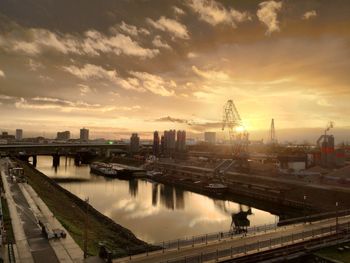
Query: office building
{"type": "Point", "coordinates": [210, 137]}
{"type": "Point", "coordinates": [84, 134]}
{"type": "Point", "coordinates": [156, 143]}
{"type": "Point", "coordinates": [169, 141]}
{"type": "Point", "coordinates": [134, 143]}
{"type": "Point", "coordinates": [64, 136]}
{"type": "Point", "coordinates": [19, 134]}
{"type": "Point", "coordinates": [181, 141]}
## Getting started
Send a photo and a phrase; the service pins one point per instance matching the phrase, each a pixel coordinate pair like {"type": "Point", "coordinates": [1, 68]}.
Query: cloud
{"type": "Point", "coordinates": [49, 103]}
{"type": "Point", "coordinates": [210, 74]}
{"type": "Point", "coordinates": [171, 119]}
{"type": "Point", "coordinates": [139, 81]}
{"type": "Point", "coordinates": [34, 41]}
{"type": "Point", "coordinates": [34, 65]}
{"type": "Point", "coordinates": [155, 84]}
{"type": "Point", "coordinates": [85, 89]}
{"type": "Point", "coordinates": [178, 11]}
{"type": "Point", "coordinates": [215, 13]}
{"type": "Point", "coordinates": [96, 43]}
{"type": "Point", "coordinates": [176, 29]}
{"type": "Point", "coordinates": [157, 42]}
{"type": "Point", "coordinates": [192, 55]}
{"type": "Point", "coordinates": [90, 71]}
{"type": "Point", "coordinates": [195, 125]}
{"type": "Point", "coordinates": [267, 14]}
{"type": "Point", "coordinates": [131, 30]}
{"type": "Point", "coordinates": [309, 14]}
{"type": "Point", "coordinates": [2, 74]}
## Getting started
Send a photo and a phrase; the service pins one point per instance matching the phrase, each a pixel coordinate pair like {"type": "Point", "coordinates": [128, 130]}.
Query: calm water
{"type": "Point", "coordinates": [153, 212]}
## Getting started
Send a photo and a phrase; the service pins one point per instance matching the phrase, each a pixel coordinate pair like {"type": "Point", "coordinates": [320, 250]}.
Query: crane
{"type": "Point", "coordinates": [239, 138]}
{"type": "Point", "coordinates": [237, 132]}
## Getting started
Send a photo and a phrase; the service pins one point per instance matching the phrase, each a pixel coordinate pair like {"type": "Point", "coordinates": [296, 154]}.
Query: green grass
{"type": "Point", "coordinates": [333, 253]}
{"type": "Point", "coordinates": [71, 214]}
{"type": "Point", "coordinates": [7, 221]}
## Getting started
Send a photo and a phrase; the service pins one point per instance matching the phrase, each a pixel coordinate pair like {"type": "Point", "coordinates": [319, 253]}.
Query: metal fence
{"type": "Point", "coordinates": [260, 245]}
{"type": "Point", "coordinates": [211, 237]}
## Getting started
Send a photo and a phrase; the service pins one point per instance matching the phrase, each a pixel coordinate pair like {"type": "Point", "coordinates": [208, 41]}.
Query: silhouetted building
{"type": "Point", "coordinates": [210, 137]}
{"type": "Point", "coordinates": [134, 143]}
{"type": "Point", "coordinates": [64, 136]}
{"type": "Point", "coordinates": [19, 134]}
{"type": "Point", "coordinates": [84, 134]}
{"type": "Point", "coordinates": [181, 141]}
{"type": "Point", "coordinates": [6, 136]}
{"type": "Point", "coordinates": [162, 144]}
{"type": "Point", "coordinates": [169, 141]}
{"type": "Point", "coordinates": [156, 143]}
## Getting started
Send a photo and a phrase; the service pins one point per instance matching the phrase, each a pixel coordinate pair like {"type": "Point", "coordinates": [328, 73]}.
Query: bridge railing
{"type": "Point", "coordinates": [261, 245]}
{"type": "Point", "coordinates": [210, 237]}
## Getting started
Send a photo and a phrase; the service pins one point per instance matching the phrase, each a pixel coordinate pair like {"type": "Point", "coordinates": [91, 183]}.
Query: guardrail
{"type": "Point", "coordinates": [210, 237]}
{"type": "Point", "coordinates": [11, 253]}
{"type": "Point", "coordinates": [260, 245]}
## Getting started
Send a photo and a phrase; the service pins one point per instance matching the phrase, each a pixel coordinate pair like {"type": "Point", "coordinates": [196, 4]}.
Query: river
{"type": "Point", "coordinates": [153, 212]}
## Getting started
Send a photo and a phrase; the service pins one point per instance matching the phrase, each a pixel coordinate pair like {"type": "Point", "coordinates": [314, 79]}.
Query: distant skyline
{"type": "Point", "coordinates": [123, 66]}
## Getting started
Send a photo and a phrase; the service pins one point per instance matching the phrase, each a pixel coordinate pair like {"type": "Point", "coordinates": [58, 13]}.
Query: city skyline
{"type": "Point", "coordinates": [173, 65]}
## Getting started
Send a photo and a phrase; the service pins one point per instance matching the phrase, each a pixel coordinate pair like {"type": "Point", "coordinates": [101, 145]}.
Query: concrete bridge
{"type": "Point", "coordinates": [82, 152]}
{"type": "Point", "coordinates": [253, 246]}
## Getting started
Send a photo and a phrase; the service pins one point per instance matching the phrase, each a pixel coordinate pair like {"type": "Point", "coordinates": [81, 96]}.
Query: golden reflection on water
{"type": "Point", "coordinates": [153, 212]}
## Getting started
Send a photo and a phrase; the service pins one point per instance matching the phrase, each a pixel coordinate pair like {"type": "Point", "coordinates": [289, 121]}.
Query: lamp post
{"type": "Point", "coordinates": [305, 208]}
{"type": "Point", "coordinates": [336, 217]}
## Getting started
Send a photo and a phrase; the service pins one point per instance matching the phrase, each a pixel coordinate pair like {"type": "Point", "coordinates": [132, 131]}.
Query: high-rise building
{"type": "Point", "coordinates": [162, 144]}
{"type": "Point", "coordinates": [64, 136]}
{"type": "Point", "coordinates": [169, 141]}
{"type": "Point", "coordinates": [181, 141]}
{"type": "Point", "coordinates": [84, 134]}
{"type": "Point", "coordinates": [210, 137]}
{"type": "Point", "coordinates": [156, 143]}
{"type": "Point", "coordinates": [19, 134]}
{"type": "Point", "coordinates": [134, 143]}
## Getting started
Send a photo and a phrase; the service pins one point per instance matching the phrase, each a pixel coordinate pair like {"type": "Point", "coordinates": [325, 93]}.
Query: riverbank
{"type": "Point", "coordinates": [71, 212]}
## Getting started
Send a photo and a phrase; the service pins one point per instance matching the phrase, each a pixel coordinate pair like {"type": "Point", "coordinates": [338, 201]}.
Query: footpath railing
{"type": "Point", "coordinates": [210, 237]}
{"type": "Point", "coordinates": [261, 245]}
{"type": "Point", "coordinates": [11, 253]}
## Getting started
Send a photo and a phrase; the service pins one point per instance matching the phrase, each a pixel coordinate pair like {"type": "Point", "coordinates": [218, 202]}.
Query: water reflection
{"type": "Point", "coordinates": [133, 187]}
{"type": "Point", "coordinates": [153, 212]}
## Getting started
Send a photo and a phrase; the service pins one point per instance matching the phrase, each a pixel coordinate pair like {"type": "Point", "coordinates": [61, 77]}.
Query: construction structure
{"type": "Point", "coordinates": [239, 140]}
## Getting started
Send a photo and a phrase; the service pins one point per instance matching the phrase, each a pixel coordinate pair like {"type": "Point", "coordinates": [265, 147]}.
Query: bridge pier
{"type": "Point", "coordinates": [55, 160]}
{"type": "Point", "coordinates": [35, 160]}
{"type": "Point", "coordinates": [77, 159]}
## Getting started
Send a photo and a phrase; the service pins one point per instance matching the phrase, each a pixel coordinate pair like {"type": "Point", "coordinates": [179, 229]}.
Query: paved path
{"type": "Point", "coordinates": [29, 238]}
{"type": "Point", "coordinates": [235, 242]}
{"type": "Point", "coordinates": [25, 209]}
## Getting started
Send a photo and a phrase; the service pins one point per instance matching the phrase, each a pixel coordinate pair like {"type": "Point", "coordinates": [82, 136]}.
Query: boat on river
{"type": "Point", "coordinates": [103, 169]}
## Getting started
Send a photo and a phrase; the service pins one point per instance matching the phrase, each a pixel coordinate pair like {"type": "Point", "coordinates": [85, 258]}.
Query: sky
{"type": "Point", "coordinates": [122, 66]}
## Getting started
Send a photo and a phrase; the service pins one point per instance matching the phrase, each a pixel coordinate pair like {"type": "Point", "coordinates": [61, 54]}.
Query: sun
{"type": "Point", "coordinates": [240, 129]}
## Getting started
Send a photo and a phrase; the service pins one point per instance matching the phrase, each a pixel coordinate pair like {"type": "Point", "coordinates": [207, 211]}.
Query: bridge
{"type": "Point", "coordinates": [82, 152]}
{"type": "Point", "coordinates": [256, 246]}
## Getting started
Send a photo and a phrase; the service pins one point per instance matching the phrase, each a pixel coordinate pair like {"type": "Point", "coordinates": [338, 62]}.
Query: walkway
{"type": "Point", "coordinates": [243, 245]}
{"type": "Point", "coordinates": [31, 245]}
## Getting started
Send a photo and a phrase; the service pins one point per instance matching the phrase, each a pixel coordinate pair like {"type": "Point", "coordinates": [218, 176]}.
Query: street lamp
{"type": "Point", "coordinates": [336, 217]}
{"type": "Point", "coordinates": [305, 208]}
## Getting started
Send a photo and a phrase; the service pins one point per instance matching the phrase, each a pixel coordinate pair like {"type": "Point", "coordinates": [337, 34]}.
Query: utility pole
{"type": "Point", "coordinates": [86, 227]}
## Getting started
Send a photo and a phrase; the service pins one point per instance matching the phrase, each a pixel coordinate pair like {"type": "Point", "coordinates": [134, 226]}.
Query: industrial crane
{"type": "Point", "coordinates": [239, 139]}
